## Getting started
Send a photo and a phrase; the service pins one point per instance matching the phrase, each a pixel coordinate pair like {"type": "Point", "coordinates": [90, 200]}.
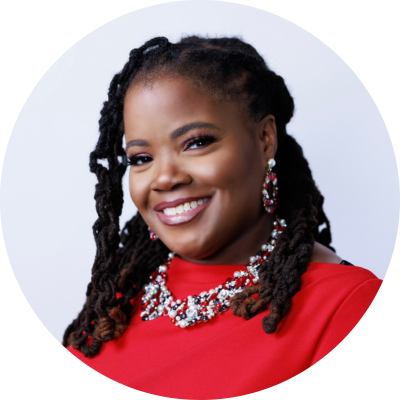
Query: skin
{"type": "Point", "coordinates": [230, 168]}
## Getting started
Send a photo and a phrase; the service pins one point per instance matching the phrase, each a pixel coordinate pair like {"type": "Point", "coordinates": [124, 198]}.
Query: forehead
{"type": "Point", "coordinates": [170, 102]}
{"type": "Point", "coordinates": [164, 94]}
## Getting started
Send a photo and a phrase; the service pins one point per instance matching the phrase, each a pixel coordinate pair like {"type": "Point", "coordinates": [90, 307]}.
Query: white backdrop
{"type": "Point", "coordinates": [47, 192]}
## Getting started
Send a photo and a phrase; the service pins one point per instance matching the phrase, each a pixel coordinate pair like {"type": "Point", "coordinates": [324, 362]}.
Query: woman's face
{"type": "Point", "coordinates": [197, 167]}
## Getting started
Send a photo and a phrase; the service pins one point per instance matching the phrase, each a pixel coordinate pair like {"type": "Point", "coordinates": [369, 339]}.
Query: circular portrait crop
{"type": "Point", "coordinates": [232, 156]}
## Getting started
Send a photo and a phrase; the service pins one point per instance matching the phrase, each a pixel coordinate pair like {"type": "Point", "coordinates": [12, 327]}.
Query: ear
{"type": "Point", "coordinates": [268, 137]}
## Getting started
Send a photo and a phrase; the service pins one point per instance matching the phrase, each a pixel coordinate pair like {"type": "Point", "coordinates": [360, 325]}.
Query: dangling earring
{"type": "Point", "coordinates": [153, 236]}
{"type": "Point", "coordinates": [270, 188]}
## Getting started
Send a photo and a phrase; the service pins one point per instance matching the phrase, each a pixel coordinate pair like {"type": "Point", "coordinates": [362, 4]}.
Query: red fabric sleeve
{"type": "Point", "coordinates": [346, 317]}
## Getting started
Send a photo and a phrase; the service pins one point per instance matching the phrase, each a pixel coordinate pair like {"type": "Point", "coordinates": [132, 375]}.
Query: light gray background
{"type": "Point", "coordinates": [47, 206]}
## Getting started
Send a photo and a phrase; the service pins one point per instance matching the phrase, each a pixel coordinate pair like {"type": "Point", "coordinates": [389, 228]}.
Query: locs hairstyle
{"type": "Point", "coordinates": [228, 69]}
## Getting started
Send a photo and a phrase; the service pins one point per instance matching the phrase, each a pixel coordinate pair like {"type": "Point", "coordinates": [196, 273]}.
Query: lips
{"type": "Point", "coordinates": [182, 210]}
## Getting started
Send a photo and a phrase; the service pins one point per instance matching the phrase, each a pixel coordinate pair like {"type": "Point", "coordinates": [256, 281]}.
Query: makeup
{"type": "Point", "coordinates": [182, 210]}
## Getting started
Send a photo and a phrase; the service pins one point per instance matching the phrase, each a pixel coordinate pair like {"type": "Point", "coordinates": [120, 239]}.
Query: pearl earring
{"type": "Point", "coordinates": [270, 188]}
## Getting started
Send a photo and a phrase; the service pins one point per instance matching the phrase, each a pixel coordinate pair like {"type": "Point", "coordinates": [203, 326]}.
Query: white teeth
{"type": "Point", "coordinates": [183, 208]}
{"type": "Point", "coordinates": [170, 211]}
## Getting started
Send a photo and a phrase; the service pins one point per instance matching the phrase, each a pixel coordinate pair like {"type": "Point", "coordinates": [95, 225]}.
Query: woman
{"type": "Point", "coordinates": [204, 122]}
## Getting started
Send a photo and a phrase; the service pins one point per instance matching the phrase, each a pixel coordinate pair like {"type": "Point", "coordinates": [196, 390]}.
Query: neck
{"type": "Point", "coordinates": [243, 246]}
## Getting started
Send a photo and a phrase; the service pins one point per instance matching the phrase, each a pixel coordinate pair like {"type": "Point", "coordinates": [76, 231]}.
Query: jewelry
{"type": "Point", "coordinates": [153, 236]}
{"type": "Point", "coordinates": [158, 301]}
{"type": "Point", "coordinates": [270, 188]}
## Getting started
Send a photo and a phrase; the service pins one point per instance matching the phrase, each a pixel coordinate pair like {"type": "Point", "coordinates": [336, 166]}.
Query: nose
{"type": "Point", "coordinates": [169, 175]}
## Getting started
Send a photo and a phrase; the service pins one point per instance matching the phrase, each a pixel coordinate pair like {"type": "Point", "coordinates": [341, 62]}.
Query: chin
{"type": "Point", "coordinates": [187, 251]}
{"type": "Point", "coordinates": [190, 248]}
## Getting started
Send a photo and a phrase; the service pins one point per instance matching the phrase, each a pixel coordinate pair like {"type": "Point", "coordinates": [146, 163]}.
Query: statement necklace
{"type": "Point", "coordinates": [158, 301]}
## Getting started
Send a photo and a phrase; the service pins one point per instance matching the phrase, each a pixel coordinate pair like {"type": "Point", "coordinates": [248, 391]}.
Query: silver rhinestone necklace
{"type": "Point", "coordinates": [158, 301]}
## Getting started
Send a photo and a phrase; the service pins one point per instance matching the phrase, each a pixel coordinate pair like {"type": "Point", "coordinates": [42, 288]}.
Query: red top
{"type": "Point", "coordinates": [229, 356]}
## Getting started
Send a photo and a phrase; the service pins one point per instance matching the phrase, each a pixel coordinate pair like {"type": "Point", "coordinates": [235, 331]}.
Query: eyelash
{"type": "Point", "coordinates": [138, 159]}
{"type": "Point", "coordinates": [204, 139]}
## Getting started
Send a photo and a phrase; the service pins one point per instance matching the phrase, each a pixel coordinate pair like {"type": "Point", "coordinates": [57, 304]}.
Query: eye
{"type": "Point", "coordinates": [139, 159]}
{"type": "Point", "coordinates": [199, 142]}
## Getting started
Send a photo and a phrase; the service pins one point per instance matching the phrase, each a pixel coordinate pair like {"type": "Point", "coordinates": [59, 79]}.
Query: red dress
{"type": "Point", "coordinates": [228, 356]}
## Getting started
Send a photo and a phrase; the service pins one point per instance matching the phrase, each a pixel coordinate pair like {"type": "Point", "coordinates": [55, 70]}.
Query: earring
{"type": "Point", "coordinates": [270, 188]}
{"type": "Point", "coordinates": [153, 236]}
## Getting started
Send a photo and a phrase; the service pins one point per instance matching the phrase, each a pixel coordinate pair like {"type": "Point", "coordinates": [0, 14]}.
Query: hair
{"type": "Point", "coordinates": [228, 69]}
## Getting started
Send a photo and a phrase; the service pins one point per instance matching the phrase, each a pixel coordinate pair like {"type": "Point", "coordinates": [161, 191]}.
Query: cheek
{"type": "Point", "coordinates": [236, 168]}
{"type": "Point", "coordinates": [138, 188]}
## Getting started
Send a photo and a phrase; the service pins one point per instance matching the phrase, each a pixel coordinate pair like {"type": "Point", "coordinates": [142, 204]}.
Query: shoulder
{"type": "Point", "coordinates": [327, 262]}
{"type": "Point", "coordinates": [330, 288]}
{"type": "Point", "coordinates": [325, 268]}
{"type": "Point", "coordinates": [337, 296]}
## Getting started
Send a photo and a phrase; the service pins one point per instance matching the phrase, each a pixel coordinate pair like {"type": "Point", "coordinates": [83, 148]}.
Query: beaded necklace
{"type": "Point", "coordinates": [158, 301]}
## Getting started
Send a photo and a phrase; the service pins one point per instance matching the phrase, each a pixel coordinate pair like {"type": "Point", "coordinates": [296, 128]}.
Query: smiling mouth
{"type": "Point", "coordinates": [183, 210]}
{"type": "Point", "coordinates": [185, 207]}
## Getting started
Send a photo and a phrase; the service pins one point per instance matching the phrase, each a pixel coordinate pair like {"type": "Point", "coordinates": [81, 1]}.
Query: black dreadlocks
{"type": "Point", "coordinates": [228, 69]}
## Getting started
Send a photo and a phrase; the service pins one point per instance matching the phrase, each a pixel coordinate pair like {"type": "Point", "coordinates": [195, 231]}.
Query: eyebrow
{"type": "Point", "coordinates": [137, 143]}
{"type": "Point", "coordinates": [188, 127]}
{"type": "Point", "coordinates": [176, 133]}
